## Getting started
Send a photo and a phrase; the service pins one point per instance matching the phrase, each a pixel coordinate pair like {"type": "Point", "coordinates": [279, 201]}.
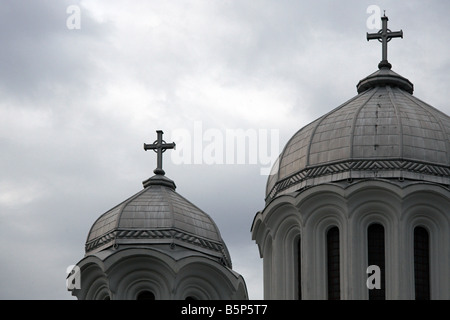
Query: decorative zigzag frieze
{"type": "Point", "coordinates": [358, 166]}
{"type": "Point", "coordinates": [156, 234]}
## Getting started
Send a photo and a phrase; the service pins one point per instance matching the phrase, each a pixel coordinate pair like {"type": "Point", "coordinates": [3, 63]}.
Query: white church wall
{"type": "Point", "coordinates": [353, 207]}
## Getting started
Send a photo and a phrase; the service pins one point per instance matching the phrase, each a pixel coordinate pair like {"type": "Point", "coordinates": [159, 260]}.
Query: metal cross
{"type": "Point", "coordinates": [384, 36]}
{"type": "Point", "coordinates": [159, 146]}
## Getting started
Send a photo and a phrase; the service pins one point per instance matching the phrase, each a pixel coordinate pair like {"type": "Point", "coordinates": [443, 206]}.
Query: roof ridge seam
{"type": "Point", "coordinates": [124, 204]}
{"type": "Point", "coordinates": [399, 118]}
{"type": "Point", "coordinates": [352, 130]}
{"type": "Point", "coordinates": [438, 120]}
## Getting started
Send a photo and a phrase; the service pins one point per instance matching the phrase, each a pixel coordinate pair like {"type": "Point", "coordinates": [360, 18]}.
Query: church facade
{"type": "Point", "coordinates": [360, 193]}
{"type": "Point", "coordinates": [356, 207]}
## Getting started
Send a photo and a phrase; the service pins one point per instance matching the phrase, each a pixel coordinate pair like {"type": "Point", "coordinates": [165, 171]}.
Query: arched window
{"type": "Point", "coordinates": [334, 280]}
{"type": "Point", "coordinates": [376, 256]}
{"type": "Point", "coordinates": [298, 266]}
{"type": "Point", "coordinates": [421, 263]}
{"type": "Point", "coordinates": [146, 295]}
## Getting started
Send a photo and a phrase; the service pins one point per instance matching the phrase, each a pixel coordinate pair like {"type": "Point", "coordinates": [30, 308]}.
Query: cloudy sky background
{"type": "Point", "coordinates": [77, 105]}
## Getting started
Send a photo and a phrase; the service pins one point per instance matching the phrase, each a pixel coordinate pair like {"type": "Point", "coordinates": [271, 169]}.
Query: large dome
{"type": "Point", "coordinates": [158, 215]}
{"type": "Point", "coordinates": [383, 132]}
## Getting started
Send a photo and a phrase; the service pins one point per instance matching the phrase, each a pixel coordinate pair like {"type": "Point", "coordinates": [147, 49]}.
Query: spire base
{"type": "Point", "coordinates": [384, 64]}
{"type": "Point", "coordinates": [385, 77]}
{"type": "Point", "coordinates": [159, 171]}
{"type": "Point", "coordinates": [159, 180]}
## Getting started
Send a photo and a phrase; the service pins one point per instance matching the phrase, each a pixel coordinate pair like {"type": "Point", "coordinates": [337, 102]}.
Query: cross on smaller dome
{"type": "Point", "coordinates": [159, 146]}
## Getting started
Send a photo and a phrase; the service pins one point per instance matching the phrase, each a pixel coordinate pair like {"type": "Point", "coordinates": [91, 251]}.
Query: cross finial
{"type": "Point", "coordinates": [159, 146]}
{"type": "Point", "coordinates": [384, 36]}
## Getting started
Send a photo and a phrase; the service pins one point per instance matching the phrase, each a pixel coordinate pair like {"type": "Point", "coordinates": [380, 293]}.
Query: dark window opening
{"type": "Point", "coordinates": [146, 295]}
{"type": "Point", "coordinates": [376, 256]}
{"type": "Point", "coordinates": [421, 264]}
{"type": "Point", "coordinates": [333, 266]}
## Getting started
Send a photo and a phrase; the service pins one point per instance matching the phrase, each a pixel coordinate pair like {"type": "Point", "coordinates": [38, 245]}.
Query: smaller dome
{"type": "Point", "coordinates": [154, 216]}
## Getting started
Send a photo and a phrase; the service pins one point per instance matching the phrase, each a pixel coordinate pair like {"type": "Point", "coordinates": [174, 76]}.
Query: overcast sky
{"type": "Point", "coordinates": [79, 98]}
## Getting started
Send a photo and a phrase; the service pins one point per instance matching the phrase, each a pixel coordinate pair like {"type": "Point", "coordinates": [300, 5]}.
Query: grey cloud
{"type": "Point", "coordinates": [76, 106]}
{"type": "Point", "coordinates": [40, 56]}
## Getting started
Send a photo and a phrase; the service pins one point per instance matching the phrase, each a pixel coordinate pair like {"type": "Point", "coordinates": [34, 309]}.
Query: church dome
{"type": "Point", "coordinates": [158, 215]}
{"type": "Point", "coordinates": [383, 132]}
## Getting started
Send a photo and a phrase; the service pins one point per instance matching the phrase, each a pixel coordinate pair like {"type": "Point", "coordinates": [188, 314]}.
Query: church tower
{"type": "Point", "coordinates": [157, 245]}
{"type": "Point", "coordinates": [362, 191]}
